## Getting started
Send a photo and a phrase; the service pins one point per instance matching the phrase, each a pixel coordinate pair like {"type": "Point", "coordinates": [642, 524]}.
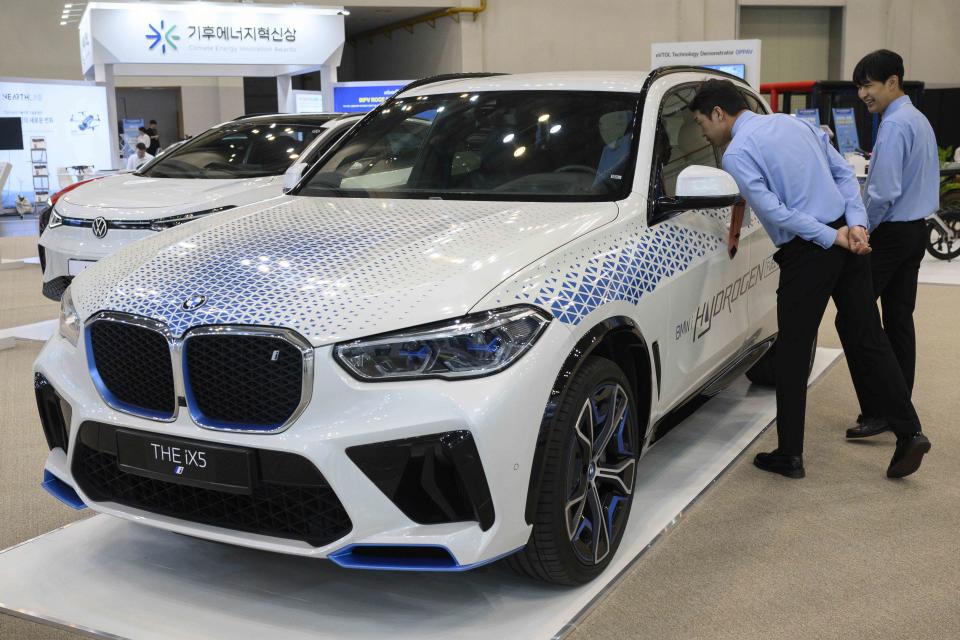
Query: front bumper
{"type": "Point", "coordinates": [501, 414]}
{"type": "Point", "coordinates": [62, 244]}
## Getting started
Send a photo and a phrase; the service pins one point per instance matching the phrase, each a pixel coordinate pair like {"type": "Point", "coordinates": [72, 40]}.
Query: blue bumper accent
{"type": "Point", "coordinates": [61, 491]}
{"type": "Point", "coordinates": [349, 560]}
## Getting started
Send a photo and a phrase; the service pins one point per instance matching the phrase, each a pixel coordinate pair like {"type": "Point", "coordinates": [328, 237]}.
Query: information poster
{"type": "Point", "coordinates": [811, 116]}
{"type": "Point", "coordinates": [72, 118]}
{"type": "Point", "coordinates": [307, 101]}
{"type": "Point", "coordinates": [845, 126]}
{"type": "Point", "coordinates": [131, 129]}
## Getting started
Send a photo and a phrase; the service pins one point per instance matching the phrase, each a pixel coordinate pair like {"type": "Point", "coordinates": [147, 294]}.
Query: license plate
{"type": "Point", "coordinates": [189, 462]}
{"type": "Point", "coordinates": [75, 267]}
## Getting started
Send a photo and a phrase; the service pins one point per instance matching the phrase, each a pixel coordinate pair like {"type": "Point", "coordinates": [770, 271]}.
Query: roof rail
{"type": "Point", "coordinates": [443, 77]}
{"type": "Point", "coordinates": [659, 72]}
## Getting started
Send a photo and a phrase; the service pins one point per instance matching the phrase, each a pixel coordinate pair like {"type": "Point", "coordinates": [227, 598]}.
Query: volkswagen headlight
{"type": "Point", "coordinates": [55, 219]}
{"type": "Point", "coordinates": [173, 221]}
{"type": "Point", "coordinates": [70, 324]}
{"type": "Point", "coordinates": [476, 345]}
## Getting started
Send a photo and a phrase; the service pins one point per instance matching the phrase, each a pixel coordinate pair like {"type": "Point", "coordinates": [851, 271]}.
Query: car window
{"type": "Point", "coordinates": [678, 143]}
{"type": "Point", "coordinates": [755, 105]}
{"type": "Point", "coordinates": [237, 150]}
{"type": "Point", "coordinates": [532, 145]}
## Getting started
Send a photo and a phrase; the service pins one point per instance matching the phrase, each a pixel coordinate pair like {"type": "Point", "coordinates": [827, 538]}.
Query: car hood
{"type": "Point", "coordinates": [332, 269]}
{"type": "Point", "coordinates": [131, 197]}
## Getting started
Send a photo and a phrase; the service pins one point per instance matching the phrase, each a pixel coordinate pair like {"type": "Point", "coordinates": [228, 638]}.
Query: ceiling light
{"type": "Point", "coordinates": [544, 117]}
{"type": "Point", "coordinates": [63, 24]}
{"type": "Point", "coordinates": [508, 138]}
{"type": "Point", "coordinates": [519, 152]}
{"type": "Point", "coordinates": [555, 128]}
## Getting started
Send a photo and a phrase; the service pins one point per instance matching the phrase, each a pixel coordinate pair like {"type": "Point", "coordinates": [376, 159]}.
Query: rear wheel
{"type": "Point", "coordinates": [941, 244]}
{"type": "Point", "coordinates": [586, 490]}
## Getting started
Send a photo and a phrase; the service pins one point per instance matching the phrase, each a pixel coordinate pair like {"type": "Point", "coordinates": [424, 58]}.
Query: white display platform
{"type": "Point", "coordinates": [42, 330]}
{"type": "Point", "coordinates": [111, 578]}
{"type": "Point", "coordinates": [933, 271]}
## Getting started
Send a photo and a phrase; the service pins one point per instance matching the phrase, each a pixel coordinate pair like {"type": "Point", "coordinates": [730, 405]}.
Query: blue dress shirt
{"type": "Point", "coordinates": [793, 178]}
{"type": "Point", "coordinates": [904, 179]}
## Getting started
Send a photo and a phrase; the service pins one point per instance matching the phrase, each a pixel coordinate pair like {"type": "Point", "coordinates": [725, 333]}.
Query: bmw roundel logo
{"type": "Point", "coordinates": [100, 227]}
{"type": "Point", "coordinates": [194, 302]}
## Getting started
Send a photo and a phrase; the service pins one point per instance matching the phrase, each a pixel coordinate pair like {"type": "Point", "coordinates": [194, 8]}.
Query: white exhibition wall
{"type": "Point", "coordinates": [72, 117]}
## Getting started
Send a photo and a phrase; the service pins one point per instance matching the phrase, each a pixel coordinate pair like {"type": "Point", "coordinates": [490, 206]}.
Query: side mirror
{"type": "Point", "coordinates": [697, 181]}
{"type": "Point", "coordinates": [292, 175]}
{"type": "Point", "coordinates": [699, 187]}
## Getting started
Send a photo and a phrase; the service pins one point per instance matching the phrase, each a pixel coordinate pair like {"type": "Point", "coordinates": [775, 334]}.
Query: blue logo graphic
{"type": "Point", "coordinates": [162, 37]}
{"type": "Point", "coordinates": [178, 471]}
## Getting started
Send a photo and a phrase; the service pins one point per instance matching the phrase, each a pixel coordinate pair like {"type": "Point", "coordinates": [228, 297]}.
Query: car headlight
{"type": "Point", "coordinates": [55, 219]}
{"type": "Point", "coordinates": [70, 324]}
{"type": "Point", "coordinates": [172, 221]}
{"type": "Point", "coordinates": [477, 345]}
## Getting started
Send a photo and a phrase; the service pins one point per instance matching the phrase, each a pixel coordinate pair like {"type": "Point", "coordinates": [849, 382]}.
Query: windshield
{"type": "Point", "coordinates": [503, 145]}
{"type": "Point", "coordinates": [241, 150]}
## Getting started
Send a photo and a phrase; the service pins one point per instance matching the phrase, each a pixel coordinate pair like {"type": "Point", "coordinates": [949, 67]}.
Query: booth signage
{"type": "Point", "coordinates": [208, 33]}
{"type": "Point", "coordinates": [359, 97]}
{"type": "Point", "coordinates": [710, 53]}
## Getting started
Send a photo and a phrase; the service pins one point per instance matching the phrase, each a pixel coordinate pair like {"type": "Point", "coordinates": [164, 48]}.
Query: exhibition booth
{"type": "Point", "coordinates": [450, 369]}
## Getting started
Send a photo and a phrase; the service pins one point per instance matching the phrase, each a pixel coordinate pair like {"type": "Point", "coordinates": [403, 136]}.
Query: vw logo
{"type": "Point", "coordinates": [194, 302]}
{"type": "Point", "coordinates": [100, 227]}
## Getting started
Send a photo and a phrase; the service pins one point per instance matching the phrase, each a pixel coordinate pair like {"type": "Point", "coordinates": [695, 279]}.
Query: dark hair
{"type": "Point", "coordinates": [878, 66]}
{"type": "Point", "coordinates": [718, 93]}
{"type": "Point", "coordinates": [153, 122]}
{"type": "Point", "coordinates": [140, 145]}
{"type": "Point", "coordinates": [142, 129]}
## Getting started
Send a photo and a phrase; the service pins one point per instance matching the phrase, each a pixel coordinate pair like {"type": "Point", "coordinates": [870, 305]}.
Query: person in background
{"type": "Point", "coordinates": [903, 188]}
{"type": "Point", "coordinates": [154, 134]}
{"type": "Point", "coordinates": [808, 201]}
{"type": "Point", "coordinates": [139, 158]}
{"type": "Point", "coordinates": [143, 137]}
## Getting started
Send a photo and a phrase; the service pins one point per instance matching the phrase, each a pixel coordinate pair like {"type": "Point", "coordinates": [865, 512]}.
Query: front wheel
{"type": "Point", "coordinates": [944, 244]}
{"type": "Point", "coordinates": [586, 488]}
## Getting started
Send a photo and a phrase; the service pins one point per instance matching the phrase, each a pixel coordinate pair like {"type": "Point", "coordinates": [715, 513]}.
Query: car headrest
{"type": "Point", "coordinates": [613, 125]}
{"type": "Point", "coordinates": [689, 138]}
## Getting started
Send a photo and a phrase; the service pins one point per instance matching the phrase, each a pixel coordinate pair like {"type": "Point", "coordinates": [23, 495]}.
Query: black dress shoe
{"type": "Point", "coordinates": [790, 466]}
{"type": "Point", "coordinates": [868, 427]}
{"type": "Point", "coordinates": [908, 455]}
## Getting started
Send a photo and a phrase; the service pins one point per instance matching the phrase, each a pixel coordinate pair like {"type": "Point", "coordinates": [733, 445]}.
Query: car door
{"type": "Point", "coordinates": [709, 316]}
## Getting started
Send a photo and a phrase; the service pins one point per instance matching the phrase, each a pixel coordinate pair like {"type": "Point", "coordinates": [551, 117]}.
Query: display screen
{"type": "Point", "coordinates": [361, 98]}
{"type": "Point", "coordinates": [739, 70]}
{"type": "Point", "coordinates": [11, 134]}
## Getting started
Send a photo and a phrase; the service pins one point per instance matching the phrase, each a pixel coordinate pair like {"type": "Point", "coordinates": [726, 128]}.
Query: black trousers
{"type": "Point", "coordinates": [898, 248]}
{"type": "Point", "coordinates": [809, 277]}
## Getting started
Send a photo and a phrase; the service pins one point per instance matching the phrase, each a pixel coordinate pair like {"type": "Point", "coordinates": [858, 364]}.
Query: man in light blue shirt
{"type": "Point", "coordinates": [903, 188]}
{"type": "Point", "coordinates": [807, 198]}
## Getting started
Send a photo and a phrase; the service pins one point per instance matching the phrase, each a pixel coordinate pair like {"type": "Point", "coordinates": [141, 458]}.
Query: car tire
{"type": "Point", "coordinates": [763, 374]}
{"type": "Point", "coordinates": [588, 476]}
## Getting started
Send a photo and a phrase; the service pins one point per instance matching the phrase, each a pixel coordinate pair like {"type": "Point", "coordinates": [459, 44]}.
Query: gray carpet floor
{"type": "Point", "coordinates": [844, 553]}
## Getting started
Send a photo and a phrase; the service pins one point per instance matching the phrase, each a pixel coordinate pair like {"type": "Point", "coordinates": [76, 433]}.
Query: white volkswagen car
{"type": "Point", "coordinates": [452, 342]}
{"type": "Point", "coordinates": [230, 165]}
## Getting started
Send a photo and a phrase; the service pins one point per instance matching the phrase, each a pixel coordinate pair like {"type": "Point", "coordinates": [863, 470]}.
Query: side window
{"type": "Point", "coordinates": [753, 104]}
{"type": "Point", "coordinates": [679, 143]}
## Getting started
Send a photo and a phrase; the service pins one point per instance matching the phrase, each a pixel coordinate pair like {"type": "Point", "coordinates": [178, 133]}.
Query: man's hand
{"type": "Point", "coordinates": [859, 241]}
{"type": "Point", "coordinates": [843, 238]}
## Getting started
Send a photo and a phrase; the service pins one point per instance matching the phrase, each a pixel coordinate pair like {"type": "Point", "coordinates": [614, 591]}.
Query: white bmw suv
{"type": "Point", "coordinates": [452, 342]}
{"type": "Point", "coordinates": [230, 165]}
